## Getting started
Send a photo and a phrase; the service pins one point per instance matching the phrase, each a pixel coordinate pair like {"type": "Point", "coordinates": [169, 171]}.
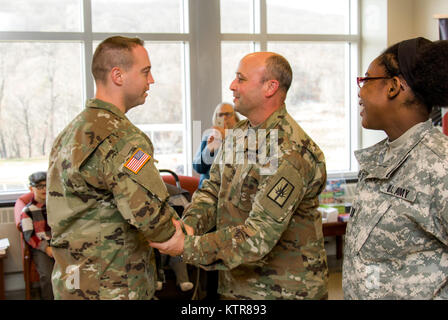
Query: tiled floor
{"type": "Point", "coordinates": [335, 278]}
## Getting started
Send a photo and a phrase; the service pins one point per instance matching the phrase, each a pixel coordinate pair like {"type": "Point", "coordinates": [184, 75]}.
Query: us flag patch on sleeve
{"type": "Point", "coordinates": [137, 161]}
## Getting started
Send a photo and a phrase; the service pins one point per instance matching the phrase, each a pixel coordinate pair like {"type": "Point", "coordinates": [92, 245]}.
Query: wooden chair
{"type": "Point", "coordinates": [30, 273]}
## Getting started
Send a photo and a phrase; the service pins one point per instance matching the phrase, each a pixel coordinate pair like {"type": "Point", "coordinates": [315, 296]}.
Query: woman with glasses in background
{"type": "Point", "coordinates": [396, 246]}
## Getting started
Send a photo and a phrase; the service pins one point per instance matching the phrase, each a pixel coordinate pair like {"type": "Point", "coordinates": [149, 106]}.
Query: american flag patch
{"type": "Point", "coordinates": [138, 159]}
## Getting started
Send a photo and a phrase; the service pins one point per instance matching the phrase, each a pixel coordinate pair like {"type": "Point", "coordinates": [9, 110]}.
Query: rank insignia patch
{"type": "Point", "coordinates": [138, 159]}
{"type": "Point", "coordinates": [281, 192]}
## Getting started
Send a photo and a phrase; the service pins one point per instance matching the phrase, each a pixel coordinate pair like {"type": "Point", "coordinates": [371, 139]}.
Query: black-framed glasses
{"type": "Point", "coordinates": [361, 80]}
{"type": "Point", "coordinates": [40, 186]}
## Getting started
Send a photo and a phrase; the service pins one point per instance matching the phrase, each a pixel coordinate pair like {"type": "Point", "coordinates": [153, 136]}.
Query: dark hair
{"type": "Point", "coordinates": [113, 52]}
{"type": "Point", "coordinates": [425, 71]}
{"type": "Point", "coordinates": [278, 68]}
{"type": "Point", "coordinates": [37, 177]}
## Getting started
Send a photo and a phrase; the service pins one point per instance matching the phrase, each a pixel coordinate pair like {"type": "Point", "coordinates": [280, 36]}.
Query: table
{"type": "Point", "coordinates": [336, 229]}
{"type": "Point", "coordinates": [2, 276]}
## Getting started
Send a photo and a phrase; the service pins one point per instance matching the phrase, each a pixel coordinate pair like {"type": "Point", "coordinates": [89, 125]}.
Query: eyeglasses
{"type": "Point", "coordinates": [361, 80]}
{"type": "Point", "coordinates": [40, 186]}
{"type": "Point", "coordinates": [222, 114]}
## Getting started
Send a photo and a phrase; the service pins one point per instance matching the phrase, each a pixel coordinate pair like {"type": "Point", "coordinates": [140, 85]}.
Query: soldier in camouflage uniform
{"type": "Point", "coordinates": [269, 242]}
{"type": "Point", "coordinates": [105, 196]}
{"type": "Point", "coordinates": [397, 236]}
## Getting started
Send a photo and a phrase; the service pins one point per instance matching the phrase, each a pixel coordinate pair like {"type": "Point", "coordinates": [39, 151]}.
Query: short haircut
{"type": "Point", "coordinates": [278, 68]}
{"type": "Point", "coordinates": [113, 52]}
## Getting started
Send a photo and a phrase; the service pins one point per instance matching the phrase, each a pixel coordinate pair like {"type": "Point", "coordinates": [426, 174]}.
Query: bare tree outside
{"type": "Point", "coordinates": [41, 83]}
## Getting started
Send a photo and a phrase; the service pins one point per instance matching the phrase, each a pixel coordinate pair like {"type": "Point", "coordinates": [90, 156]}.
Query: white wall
{"type": "Point", "coordinates": [400, 20]}
{"type": "Point", "coordinates": [386, 22]}
{"type": "Point", "coordinates": [424, 23]}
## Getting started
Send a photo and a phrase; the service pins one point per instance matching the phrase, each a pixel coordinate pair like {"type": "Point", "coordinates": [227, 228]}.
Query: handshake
{"type": "Point", "coordinates": [175, 245]}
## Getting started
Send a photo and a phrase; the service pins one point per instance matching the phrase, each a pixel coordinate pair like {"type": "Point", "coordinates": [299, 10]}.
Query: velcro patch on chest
{"type": "Point", "coordinates": [399, 192]}
{"type": "Point", "coordinates": [281, 192]}
{"type": "Point", "coordinates": [137, 161]}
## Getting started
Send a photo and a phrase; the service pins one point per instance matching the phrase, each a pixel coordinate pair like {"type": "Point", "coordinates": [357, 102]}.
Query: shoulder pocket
{"type": "Point", "coordinates": [367, 226]}
{"type": "Point", "coordinates": [282, 192]}
{"type": "Point", "coordinates": [245, 190]}
{"type": "Point", "coordinates": [146, 175]}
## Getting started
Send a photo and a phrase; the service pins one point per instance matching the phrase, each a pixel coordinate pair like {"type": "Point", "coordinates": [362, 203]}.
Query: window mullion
{"type": "Point", "coordinates": [89, 90]}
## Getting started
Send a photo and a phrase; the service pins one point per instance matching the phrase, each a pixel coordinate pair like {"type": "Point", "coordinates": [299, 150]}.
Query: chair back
{"type": "Point", "coordinates": [186, 182]}
{"type": "Point", "coordinates": [30, 273]}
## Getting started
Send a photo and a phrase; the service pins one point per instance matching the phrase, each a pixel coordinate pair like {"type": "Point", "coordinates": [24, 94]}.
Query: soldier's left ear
{"type": "Point", "coordinates": [394, 88]}
{"type": "Point", "coordinates": [116, 76]}
{"type": "Point", "coordinates": [271, 87]}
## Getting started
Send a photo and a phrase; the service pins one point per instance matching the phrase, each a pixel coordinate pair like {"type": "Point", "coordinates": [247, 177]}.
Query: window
{"type": "Point", "coordinates": [194, 47]}
{"type": "Point", "coordinates": [320, 39]}
{"type": "Point", "coordinates": [45, 76]}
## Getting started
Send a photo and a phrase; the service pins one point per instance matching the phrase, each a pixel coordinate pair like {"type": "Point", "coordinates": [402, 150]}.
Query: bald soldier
{"type": "Point", "coordinates": [268, 242]}
{"type": "Point", "coordinates": [105, 196]}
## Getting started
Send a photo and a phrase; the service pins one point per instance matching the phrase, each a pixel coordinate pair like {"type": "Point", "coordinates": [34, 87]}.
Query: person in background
{"type": "Point", "coordinates": [268, 242]}
{"type": "Point", "coordinates": [224, 117]}
{"type": "Point", "coordinates": [37, 232]}
{"type": "Point", "coordinates": [396, 246]}
{"type": "Point", "coordinates": [106, 198]}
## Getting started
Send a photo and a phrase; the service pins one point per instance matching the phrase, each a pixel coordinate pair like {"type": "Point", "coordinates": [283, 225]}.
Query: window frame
{"type": "Point", "coordinates": [260, 37]}
{"type": "Point", "coordinates": [87, 37]}
{"type": "Point", "coordinates": [202, 40]}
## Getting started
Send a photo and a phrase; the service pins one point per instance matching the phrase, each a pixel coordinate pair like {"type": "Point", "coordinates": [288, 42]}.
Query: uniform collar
{"type": "Point", "coordinates": [273, 120]}
{"type": "Point", "coordinates": [371, 159]}
{"type": "Point", "coordinates": [100, 104]}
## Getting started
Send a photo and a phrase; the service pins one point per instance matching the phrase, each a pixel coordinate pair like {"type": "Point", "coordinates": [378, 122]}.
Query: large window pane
{"type": "Point", "coordinates": [26, 15]}
{"type": "Point", "coordinates": [317, 97]}
{"type": "Point", "coordinates": [309, 17]}
{"type": "Point", "coordinates": [237, 16]}
{"type": "Point", "coordinates": [159, 16]}
{"type": "Point", "coordinates": [168, 145]}
{"type": "Point", "coordinates": [161, 116]}
{"type": "Point", "coordinates": [231, 54]}
{"type": "Point", "coordinates": [40, 92]}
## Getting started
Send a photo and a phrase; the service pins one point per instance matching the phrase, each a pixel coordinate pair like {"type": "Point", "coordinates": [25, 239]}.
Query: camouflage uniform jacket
{"type": "Point", "coordinates": [101, 213]}
{"type": "Point", "coordinates": [268, 242]}
{"type": "Point", "coordinates": [397, 238]}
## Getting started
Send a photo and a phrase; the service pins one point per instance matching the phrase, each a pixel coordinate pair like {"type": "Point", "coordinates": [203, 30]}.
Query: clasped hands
{"type": "Point", "coordinates": [175, 245]}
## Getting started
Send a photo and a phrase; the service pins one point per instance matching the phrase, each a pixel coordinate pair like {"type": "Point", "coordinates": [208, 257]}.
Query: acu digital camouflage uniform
{"type": "Point", "coordinates": [269, 242]}
{"type": "Point", "coordinates": [100, 212]}
{"type": "Point", "coordinates": [397, 240]}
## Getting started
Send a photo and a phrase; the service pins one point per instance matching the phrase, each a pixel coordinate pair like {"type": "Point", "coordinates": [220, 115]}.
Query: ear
{"type": "Point", "coordinates": [394, 87]}
{"type": "Point", "coordinates": [31, 189]}
{"type": "Point", "coordinates": [116, 76]}
{"type": "Point", "coordinates": [271, 87]}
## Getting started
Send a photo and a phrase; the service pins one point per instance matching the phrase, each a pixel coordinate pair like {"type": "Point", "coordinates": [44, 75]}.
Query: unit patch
{"type": "Point", "coordinates": [137, 161]}
{"type": "Point", "coordinates": [281, 192]}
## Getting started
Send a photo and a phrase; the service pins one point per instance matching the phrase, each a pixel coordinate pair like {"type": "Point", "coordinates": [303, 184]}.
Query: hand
{"type": "Point", "coordinates": [175, 245]}
{"type": "Point", "coordinates": [190, 230]}
{"type": "Point", "coordinates": [49, 252]}
{"type": "Point", "coordinates": [214, 140]}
